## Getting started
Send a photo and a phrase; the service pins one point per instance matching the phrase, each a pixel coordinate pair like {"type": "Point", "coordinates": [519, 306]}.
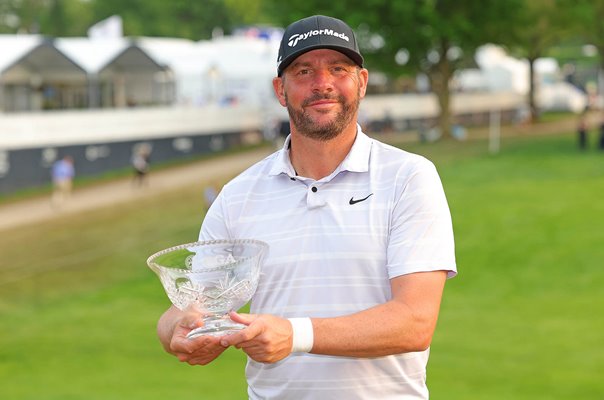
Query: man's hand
{"type": "Point", "coordinates": [173, 329]}
{"type": "Point", "coordinates": [266, 339]}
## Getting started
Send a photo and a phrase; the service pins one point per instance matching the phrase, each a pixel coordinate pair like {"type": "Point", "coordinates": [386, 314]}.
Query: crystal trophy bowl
{"type": "Point", "coordinates": [216, 277]}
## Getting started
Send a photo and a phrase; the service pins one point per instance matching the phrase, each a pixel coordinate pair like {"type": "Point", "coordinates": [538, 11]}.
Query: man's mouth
{"type": "Point", "coordinates": [320, 100]}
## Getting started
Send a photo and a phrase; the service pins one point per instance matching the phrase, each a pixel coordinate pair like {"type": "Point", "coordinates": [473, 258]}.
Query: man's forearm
{"type": "Point", "coordinates": [404, 324]}
{"type": "Point", "coordinates": [380, 331]}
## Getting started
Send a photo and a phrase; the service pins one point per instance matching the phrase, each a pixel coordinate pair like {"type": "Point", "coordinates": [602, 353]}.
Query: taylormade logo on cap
{"type": "Point", "coordinates": [313, 33]}
{"type": "Point", "coordinates": [298, 37]}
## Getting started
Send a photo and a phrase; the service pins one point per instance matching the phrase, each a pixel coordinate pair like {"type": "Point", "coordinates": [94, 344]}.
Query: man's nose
{"type": "Point", "coordinates": [322, 80]}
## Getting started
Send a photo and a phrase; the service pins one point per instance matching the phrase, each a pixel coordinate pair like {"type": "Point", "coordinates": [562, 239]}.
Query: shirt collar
{"type": "Point", "coordinates": [357, 159]}
{"type": "Point", "coordinates": [282, 163]}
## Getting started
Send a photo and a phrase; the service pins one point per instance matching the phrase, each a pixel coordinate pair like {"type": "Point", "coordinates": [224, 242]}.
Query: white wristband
{"type": "Point", "coordinates": [303, 336]}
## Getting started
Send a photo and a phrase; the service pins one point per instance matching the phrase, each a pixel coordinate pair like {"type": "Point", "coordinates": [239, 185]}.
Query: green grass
{"type": "Point", "coordinates": [523, 320]}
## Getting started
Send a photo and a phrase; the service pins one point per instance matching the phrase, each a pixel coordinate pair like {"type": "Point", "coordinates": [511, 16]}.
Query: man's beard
{"type": "Point", "coordinates": [306, 126]}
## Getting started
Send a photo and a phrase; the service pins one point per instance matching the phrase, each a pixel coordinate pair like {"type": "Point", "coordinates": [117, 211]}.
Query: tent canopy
{"type": "Point", "coordinates": [104, 55]}
{"type": "Point", "coordinates": [28, 58]}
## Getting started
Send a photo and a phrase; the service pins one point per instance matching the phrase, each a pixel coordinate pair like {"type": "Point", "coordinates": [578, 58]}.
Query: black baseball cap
{"type": "Point", "coordinates": [317, 32]}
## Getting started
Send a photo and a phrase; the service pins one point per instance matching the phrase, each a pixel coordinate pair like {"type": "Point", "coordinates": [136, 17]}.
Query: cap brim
{"type": "Point", "coordinates": [354, 56]}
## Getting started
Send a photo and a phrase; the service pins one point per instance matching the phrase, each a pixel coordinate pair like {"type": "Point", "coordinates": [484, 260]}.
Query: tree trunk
{"type": "Point", "coordinates": [532, 93]}
{"type": "Point", "coordinates": [440, 76]}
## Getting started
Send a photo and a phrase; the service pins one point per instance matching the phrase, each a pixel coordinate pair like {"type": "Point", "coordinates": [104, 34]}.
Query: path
{"type": "Point", "coordinates": [30, 211]}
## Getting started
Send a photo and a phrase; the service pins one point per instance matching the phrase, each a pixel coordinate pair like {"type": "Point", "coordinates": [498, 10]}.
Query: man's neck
{"type": "Point", "coordinates": [317, 159]}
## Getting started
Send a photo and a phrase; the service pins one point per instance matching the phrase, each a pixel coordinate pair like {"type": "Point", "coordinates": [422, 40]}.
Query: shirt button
{"type": "Point", "coordinates": [314, 189]}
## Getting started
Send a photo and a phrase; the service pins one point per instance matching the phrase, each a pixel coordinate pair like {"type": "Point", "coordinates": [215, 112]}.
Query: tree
{"type": "Point", "coordinates": [541, 25]}
{"type": "Point", "coordinates": [176, 18]}
{"type": "Point", "coordinates": [66, 18]}
{"type": "Point", "coordinates": [432, 37]}
{"type": "Point", "coordinates": [191, 19]}
{"type": "Point", "coordinates": [48, 17]}
{"type": "Point", "coordinates": [22, 16]}
{"type": "Point", "coordinates": [436, 37]}
{"type": "Point", "coordinates": [246, 11]}
{"type": "Point", "coordinates": [586, 19]}
{"type": "Point", "coordinates": [9, 19]}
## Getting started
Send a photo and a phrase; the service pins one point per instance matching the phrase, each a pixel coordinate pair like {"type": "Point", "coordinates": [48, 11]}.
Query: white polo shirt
{"type": "Point", "coordinates": [334, 245]}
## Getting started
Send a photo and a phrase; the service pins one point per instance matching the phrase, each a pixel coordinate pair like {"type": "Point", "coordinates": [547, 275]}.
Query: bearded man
{"type": "Point", "coordinates": [360, 236]}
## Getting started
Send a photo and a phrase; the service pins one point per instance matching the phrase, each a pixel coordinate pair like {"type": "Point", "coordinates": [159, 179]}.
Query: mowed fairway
{"type": "Point", "coordinates": [523, 320]}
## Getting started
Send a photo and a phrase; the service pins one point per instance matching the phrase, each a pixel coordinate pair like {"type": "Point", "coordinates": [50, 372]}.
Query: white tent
{"type": "Point", "coordinates": [224, 69]}
{"type": "Point", "coordinates": [120, 73]}
{"type": "Point", "coordinates": [117, 71]}
{"type": "Point", "coordinates": [246, 66]}
{"type": "Point", "coordinates": [34, 74]}
{"type": "Point", "coordinates": [186, 61]}
{"type": "Point", "coordinates": [500, 72]}
{"type": "Point", "coordinates": [15, 47]}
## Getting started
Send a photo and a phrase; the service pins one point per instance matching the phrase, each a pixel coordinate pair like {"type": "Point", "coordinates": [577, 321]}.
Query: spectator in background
{"type": "Point", "coordinates": [282, 135]}
{"type": "Point", "coordinates": [62, 173]}
{"type": "Point", "coordinates": [140, 164]}
{"type": "Point", "coordinates": [582, 131]}
{"type": "Point", "coordinates": [209, 194]}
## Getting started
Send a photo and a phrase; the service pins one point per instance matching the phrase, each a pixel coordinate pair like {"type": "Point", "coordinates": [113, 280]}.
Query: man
{"type": "Point", "coordinates": [360, 240]}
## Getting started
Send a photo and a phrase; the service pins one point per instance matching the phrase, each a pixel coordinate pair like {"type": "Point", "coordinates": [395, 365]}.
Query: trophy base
{"type": "Point", "coordinates": [216, 327]}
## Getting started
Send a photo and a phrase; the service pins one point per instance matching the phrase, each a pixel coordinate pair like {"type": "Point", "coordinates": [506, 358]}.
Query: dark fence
{"type": "Point", "coordinates": [27, 168]}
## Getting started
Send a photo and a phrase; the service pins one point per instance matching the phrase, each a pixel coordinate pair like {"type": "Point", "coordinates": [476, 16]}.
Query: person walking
{"type": "Point", "coordinates": [360, 235]}
{"type": "Point", "coordinates": [62, 173]}
{"type": "Point", "coordinates": [140, 165]}
{"type": "Point", "coordinates": [582, 131]}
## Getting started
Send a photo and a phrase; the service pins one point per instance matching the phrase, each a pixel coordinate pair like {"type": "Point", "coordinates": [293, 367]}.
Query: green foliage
{"type": "Point", "coordinates": [419, 26]}
{"type": "Point", "coordinates": [247, 11]}
{"type": "Point", "coordinates": [49, 17]}
{"type": "Point", "coordinates": [585, 19]}
{"type": "Point", "coordinates": [521, 321]}
{"type": "Point", "coordinates": [437, 36]}
{"type": "Point", "coordinates": [177, 18]}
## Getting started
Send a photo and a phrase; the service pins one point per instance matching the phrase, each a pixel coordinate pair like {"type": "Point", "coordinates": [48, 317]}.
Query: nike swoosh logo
{"type": "Point", "coordinates": [353, 201]}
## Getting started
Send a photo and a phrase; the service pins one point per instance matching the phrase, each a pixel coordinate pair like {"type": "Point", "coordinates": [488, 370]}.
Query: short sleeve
{"type": "Point", "coordinates": [214, 225]}
{"type": "Point", "coordinates": [421, 237]}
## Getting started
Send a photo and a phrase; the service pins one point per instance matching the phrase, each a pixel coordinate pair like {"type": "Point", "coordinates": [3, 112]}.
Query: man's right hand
{"type": "Point", "coordinates": [172, 330]}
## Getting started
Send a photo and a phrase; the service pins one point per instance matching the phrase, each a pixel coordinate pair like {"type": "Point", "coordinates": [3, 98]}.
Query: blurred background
{"type": "Point", "coordinates": [155, 104]}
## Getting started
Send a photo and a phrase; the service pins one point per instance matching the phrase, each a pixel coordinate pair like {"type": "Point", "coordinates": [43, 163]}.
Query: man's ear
{"type": "Point", "coordinates": [364, 79]}
{"type": "Point", "coordinates": [278, 88]}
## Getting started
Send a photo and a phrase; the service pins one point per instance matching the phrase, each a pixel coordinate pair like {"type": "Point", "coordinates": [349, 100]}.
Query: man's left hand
{"type": "Point", "coordinates": [266, 339]}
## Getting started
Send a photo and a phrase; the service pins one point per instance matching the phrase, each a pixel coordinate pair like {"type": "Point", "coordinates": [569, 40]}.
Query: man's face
{"type": "Point", "coordinates": [321, 90]}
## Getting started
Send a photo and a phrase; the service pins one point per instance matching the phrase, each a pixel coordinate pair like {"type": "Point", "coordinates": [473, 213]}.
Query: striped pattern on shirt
{"type": "Point", "coordinates": [334, 245]}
